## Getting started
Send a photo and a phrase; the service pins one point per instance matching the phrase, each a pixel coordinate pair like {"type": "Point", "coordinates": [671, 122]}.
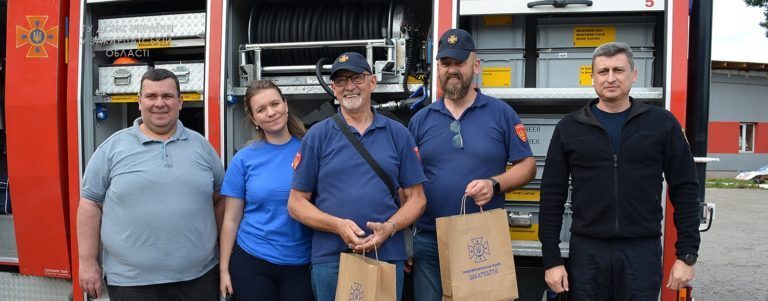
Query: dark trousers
{"type": "Point", "coordinates": [257, 279]}
{"type": "Point", "coordinates": [614, 269]}
{"type": "Point", "coordinates": [203, 288]}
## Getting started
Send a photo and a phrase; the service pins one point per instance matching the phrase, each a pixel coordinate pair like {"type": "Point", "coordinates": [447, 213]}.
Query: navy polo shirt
{"type": "Point", "coordinates": [345, 186]}
{"type": "Point", "coordinates": [489, 129]}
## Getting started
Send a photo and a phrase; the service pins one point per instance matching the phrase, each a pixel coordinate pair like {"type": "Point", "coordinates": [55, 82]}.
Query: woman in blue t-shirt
{"type": "Point", "coordinates": [264, 252]}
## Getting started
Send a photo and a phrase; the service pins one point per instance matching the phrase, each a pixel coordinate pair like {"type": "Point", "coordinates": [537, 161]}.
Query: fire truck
{"type": "Point", "coordinates": [72, 69]}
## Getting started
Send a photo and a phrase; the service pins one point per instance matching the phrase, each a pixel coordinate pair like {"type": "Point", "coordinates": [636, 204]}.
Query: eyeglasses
{"type": "Point", "coordinates": [457, 141]}
{"type": "Point", "coordinates": [356, 79]}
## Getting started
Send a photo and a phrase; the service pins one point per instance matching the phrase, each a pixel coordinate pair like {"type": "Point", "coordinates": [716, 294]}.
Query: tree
{"type": "Point", "coordinates": [764, 5]}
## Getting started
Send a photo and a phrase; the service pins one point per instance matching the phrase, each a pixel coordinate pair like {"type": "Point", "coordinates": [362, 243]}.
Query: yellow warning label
{"type": "Point", "coordinates": [524, 233]}
{"type": "Point", "coordinates": [526, 195]}
{"type": "Point", "coordinates": [585, 75]}
{"type": "Point", "coordinates": [154, 43]}
{"type": "Point", "coordinates": [497, 77]}
{"type": "Point", "coordinates": [413, 80]}
{"type": "Point", "coordinates": [124, 98]}
{"type": "Point", "coordinates": [497, 20]}
{"type": "Point", "coordinates": [191, 96]}
{"type": "Point", "coordinates": [593, 36]}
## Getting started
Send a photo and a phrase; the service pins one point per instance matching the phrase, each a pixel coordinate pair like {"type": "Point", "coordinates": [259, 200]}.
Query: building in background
{"type": "Point", "coordinates": [738, 116]}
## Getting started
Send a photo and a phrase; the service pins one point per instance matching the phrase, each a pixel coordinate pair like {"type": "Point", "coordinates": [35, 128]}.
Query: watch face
{"type": "Point", "coordinates": [689, 259]}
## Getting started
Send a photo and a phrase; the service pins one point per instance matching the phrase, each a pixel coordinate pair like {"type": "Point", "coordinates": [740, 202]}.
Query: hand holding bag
{"type": "Point", "coordinates": [476, 261]}
{"type": "Point", "coordinates": [365, 279]}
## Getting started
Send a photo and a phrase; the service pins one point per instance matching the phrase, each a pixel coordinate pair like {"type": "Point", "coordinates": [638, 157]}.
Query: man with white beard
{"type": "Point", "coordinates": [466, 139]}
{"type": "Point", "coordinates": [336, 192]}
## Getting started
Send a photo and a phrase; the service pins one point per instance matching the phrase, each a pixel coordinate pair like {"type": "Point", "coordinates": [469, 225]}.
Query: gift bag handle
{"type": "Point", "coordinates": [463, 210]}
{"type": "Point", "coordinates": [375, 250]}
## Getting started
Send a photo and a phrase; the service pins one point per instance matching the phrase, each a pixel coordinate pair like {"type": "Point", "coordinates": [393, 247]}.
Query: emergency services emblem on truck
{"type": "Point", "coordinates": [37, 36]}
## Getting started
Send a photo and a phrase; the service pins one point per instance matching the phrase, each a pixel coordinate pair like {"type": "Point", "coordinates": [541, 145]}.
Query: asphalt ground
{"type": "Point", "coordinates": [733, 256]}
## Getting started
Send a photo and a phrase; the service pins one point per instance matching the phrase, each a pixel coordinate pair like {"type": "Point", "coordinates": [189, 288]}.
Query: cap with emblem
{"type": "Point", "coordinates": [351, 61]}
{"type": "Point", "coordinates": [455, 43]}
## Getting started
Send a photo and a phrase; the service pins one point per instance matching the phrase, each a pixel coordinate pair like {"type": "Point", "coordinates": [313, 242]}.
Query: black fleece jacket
{"type": "Point", "coordinates": [618, 195]}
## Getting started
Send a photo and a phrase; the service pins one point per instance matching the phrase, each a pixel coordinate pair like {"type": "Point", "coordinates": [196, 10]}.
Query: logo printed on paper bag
{"type": "Point", "coordinates": [478, 249]}
{"type": "Point", "coordinates": [356, 292]}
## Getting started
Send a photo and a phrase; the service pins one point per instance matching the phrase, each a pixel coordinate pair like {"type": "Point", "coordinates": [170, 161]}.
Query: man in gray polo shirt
{"type": "Point", "coordinates": [147, 198]}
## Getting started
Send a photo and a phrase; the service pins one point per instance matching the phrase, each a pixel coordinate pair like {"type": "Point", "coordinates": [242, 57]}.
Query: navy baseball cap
{"type": "Point", "coordinates": [455, 43]}
{"type": "Point", "coordinates": [351, 61]}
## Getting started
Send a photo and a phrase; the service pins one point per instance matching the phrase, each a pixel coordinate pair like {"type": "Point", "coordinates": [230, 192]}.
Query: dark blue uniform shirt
{"type": "Point", "coordinates": [492, 135]}
{"type": "Point", "coordinates": [345, 186]}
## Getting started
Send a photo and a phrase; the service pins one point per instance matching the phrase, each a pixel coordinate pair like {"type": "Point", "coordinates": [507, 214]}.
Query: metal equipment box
{"type": "Point", "coordinates": [498, 32]}
{"type": "Point", "coordinates": [8, 251]}
{"type": "Point", "coordinates": [501, 68]}
{"type": "Point", "coordinates": [188, 25]}
{"type": "Point", "coordinates": [524, 221]}
{"type": "Point", "coordinates": [191, 75]}
{"type": "Point", "coordinates": [572, 68]}
{"type": "Point", "coordinates": [539, 132]}
{"type": "Point", "coordinates": [121, 79]}
{"type": "Point", "coordinates": [591, 32]}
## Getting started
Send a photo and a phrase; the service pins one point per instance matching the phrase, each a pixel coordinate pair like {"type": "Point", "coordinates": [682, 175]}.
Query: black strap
{"type": "Point", "coordinates": [364, 152]}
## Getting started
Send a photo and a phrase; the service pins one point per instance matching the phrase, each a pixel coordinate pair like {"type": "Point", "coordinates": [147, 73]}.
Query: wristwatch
{"type": "Point", "coordinates": [689, 259]}
{"type": "Point", "coordinates": [496, 186]}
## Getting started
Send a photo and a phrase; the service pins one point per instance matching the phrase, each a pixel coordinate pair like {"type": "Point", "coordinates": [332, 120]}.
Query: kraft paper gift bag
{"type": "Point", "coordinates": [365, 279]}
{"type": "Point", "coordinates": [476, 261]}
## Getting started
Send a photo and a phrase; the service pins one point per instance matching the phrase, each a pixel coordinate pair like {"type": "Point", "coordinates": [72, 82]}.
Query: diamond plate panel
{"type": "Point", "coordinates": [120, 79]}
{"type": "Point", "coordinates": [316, 89]}
{"type": "Point", "coordinates": [533, 248]}
{"type": "Point", "coordinates": [554, 94]}
{"type": "Point", "coordinates": [151, 27]}
{"type": "Point", "coordinates": [191, 75]}
{"type": "Point", "coordinates": [31, 288]}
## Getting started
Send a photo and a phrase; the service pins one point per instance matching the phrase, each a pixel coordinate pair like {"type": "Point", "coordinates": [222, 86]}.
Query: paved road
{"type": "Point", "coordinates": [733, 258]}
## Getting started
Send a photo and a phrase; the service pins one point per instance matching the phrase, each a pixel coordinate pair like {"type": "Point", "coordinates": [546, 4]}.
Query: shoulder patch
{"type": "Point", "coordinates": [416, 150]}
{"type": "Point", "coordinates": [296, 160]}
{"type": "Point", "coordinates": [520, 130]}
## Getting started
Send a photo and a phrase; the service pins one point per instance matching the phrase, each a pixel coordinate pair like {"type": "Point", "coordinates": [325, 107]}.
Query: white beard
{"type": "Point", "coordinates": [352, 103]}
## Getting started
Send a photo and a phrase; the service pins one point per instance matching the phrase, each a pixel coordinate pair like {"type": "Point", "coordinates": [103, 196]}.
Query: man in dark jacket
{"type": "Point", "coordinates": [617, 152]}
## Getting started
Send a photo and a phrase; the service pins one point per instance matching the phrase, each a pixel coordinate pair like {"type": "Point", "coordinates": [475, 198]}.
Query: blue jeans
{"type": "Point", "coordinates": [325, 276]}
{"type": "Point", "coordinates": [426, 267]}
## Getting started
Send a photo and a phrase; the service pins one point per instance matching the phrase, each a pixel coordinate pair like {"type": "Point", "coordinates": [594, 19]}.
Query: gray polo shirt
{"type": "Point", "coordinates": [158, 224]}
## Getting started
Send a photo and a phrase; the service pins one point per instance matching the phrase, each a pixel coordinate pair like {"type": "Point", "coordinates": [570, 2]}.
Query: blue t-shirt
{"type": "Point", "coordinates": [612, 123]}
{"type": "Point", "coordinates": [345, 186]}
{"type": "Point", "coordinates": [493, 135]}
{"type": "Point", "coordinates": [261, 174]}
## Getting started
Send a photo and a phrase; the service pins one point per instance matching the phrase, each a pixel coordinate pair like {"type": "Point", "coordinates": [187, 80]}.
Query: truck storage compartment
{"type": "Point", "coordinates": [501, 68]}
{"type": "Point", "coordinates": [572, 68]}
{"type": "Point", "coordinates": [121, 79]}
{"type": "Point", "coordinates": [191, 74]}
{"type": "Point", "coordinates": [524, 221]}
{"type": "Point", "coordinates": [591, 32]}
{"type": "Point", "coordinates": [165, 26]}
{"type": "Point", "coordinates": [498, 32]}
{"type": "Point", "coordinates": [539, 131]}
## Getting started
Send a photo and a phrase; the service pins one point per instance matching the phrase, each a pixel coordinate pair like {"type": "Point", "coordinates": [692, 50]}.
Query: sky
{"type": "Point", "coordinates": [737, 34]}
